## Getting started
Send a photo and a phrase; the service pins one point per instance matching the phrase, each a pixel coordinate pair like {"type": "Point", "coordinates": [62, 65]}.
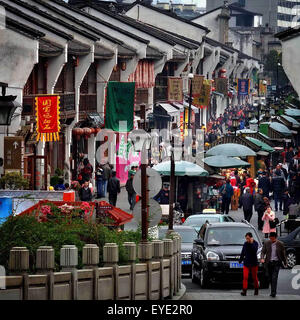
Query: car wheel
{"type": "Point", "coordinates": [194, 275]}
{"type": "Point", "coordinates": [291, 259]}
{"type": "Point", "coordinates": [204, 281]}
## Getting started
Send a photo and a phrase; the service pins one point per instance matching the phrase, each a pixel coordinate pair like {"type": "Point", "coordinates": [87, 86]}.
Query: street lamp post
{"type": "Point", "coordinates": [191, 77]}
{"type": "Point", "coordinates": [235, 124]}
{"type": "Point", "coordinates": [8, 106]}
{"type": "Point", "coordinates": [277, 78]}
{"type": "Point", "coordinates": [144, 181]}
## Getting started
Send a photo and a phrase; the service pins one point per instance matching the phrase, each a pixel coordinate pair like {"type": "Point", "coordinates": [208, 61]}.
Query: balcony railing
{"type": "Point", "coordinates": [88, 103]}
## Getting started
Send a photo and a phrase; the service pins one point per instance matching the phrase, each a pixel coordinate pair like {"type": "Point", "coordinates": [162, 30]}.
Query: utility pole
{"type": "Point", "coordinates": [144, 180]}
{"type": "Point", "coordinates": [172, 182]}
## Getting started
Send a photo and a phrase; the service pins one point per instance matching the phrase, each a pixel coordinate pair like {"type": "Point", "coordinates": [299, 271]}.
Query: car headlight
{"type": "Point", "coordinates": [212, 256]}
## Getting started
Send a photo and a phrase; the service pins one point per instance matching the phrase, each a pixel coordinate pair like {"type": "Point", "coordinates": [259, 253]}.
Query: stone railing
{"type": "Point", "coordinates": [157, 275]}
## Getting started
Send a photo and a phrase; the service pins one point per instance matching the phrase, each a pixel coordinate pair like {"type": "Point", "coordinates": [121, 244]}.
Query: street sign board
{"type": "Point", "coordinates": [13, 154]}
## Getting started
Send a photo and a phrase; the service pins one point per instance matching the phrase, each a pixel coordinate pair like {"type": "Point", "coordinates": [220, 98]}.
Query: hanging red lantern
{"type": "Point", "coordinates": [77, 132]}
{"type": "Point", "coordinates": [87, 132]}
{"type": "Point", "coordinates": [223, 71]}
{"type": "Point", "coordinates": [213, 89]}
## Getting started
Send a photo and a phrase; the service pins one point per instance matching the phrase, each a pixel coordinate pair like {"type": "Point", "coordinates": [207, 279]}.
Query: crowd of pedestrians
{"type": "Point", "coordinates": [216, 127]}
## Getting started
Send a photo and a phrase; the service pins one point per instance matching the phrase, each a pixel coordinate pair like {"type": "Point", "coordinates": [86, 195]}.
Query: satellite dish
{"type": "Point", "coordinates": [155, 213]}
{"type": "Point", "coordinates": [154, 182]}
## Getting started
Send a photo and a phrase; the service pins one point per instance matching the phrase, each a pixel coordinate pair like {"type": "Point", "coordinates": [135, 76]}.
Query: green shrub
{"type": "Point", "coordinates": [26, 231]}
{"type": "Point", "coordinates": [14, 181]}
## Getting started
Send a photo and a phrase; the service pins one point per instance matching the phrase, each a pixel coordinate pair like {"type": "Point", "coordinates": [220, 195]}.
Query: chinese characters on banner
{"type": "Point", "coordinates": [47, 117]}
{"type": "Point", "coordinates": [175, 88]}
{"type": "Point", "coordinates": [243, 87]}
{"type": "Point", "coordinates": [222, 85]}
{"type": "Point", "coordinates": [197, 83]}
{"type": "Point", "coordinates": [204, 99]}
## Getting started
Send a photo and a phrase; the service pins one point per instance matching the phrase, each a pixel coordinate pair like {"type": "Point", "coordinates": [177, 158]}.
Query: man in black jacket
{"type": "Point", "coordinates": [113, 188]}
{"type": "Point", "coordinates": [259, 206]}
{"type": "Point", "coordinates": [131, 192]}
{"type": "Point", "coordinates": [85, 193]}
{"type": "Point", "coordinates": [106, 176]}
{"type": "Point", "coordinates": [246, 201]}
{"type": "Point", "coordinates": [278, 187]}
{"type": "Point", "coordinates": [264, 183]}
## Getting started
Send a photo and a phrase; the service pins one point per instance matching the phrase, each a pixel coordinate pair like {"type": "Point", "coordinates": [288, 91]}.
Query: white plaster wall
{"type": "Point", "coordinates": [163, 46]}
{"type": "Point", "coordinates": [211, 22]}
{"type": "Point", "coordinates": [18, 54]}
{"type": "Point", "coordinates": [166, 22]}
{"type": "Point", "coordinates": [291, 61]}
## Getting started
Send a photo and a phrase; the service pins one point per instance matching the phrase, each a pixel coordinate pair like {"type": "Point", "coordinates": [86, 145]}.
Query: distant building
{"type": "Point", "coordinates": [276, 14]}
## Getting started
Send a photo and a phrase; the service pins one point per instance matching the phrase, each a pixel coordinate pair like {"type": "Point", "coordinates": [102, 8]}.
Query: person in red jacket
{"type": "Point", "coordinates": [250, 184]}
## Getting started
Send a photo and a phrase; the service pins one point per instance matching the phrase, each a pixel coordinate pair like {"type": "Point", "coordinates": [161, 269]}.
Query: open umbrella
{"type": "Point", "coordinates": [225, 162]}
{"type": "Point", "coordinates": [182, 168]}
{"type": "Point", "coordinates": [230, 150]}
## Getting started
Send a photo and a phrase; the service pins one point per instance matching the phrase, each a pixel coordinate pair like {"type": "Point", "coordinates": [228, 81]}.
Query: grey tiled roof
{"type": "Point", "coordinates": [48, 16]}
{"type": "Point", "coordinates": [23, 29]}
{"type": "Point", "coordinates": [35, 21]}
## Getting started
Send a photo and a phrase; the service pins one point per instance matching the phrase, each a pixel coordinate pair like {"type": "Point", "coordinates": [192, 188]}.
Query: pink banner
{"type": "Point", "coordinates": [126, 157]}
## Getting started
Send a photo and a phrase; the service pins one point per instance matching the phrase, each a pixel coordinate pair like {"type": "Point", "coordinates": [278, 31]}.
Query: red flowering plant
{"type": "Point", "coordinates": [86, 208]}
{"type": "Point", "coordinates": [45, 211]}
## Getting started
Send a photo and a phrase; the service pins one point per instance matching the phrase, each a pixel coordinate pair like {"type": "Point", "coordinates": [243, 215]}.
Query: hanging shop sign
{"type": "Point", "coordinates": [13, 154]}
{"type": "Point", "coordinates": [197, 84]}
{"type": "Point", "coordinates": [262, 88]}
{"type": "Point", "coordinates": [222, 85]}
{"type": "Point", "coordinates": [204, 99]}
{"type": "Point", "coordinates": [175, 89]}
{"type": "Point", "coordinates": [243, 87]}
{"type": "Point", "coordinates": [47, 117]}
{"type": "Point", "coordinates": [119, 105]}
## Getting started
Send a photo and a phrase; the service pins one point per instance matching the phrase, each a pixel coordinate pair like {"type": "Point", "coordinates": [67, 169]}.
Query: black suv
{"type": "Point", "coordinates": [216, 257]}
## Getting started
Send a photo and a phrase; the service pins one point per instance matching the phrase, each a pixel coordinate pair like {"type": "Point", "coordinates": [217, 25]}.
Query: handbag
{"type": "Point", "coordinates": [273, 223]}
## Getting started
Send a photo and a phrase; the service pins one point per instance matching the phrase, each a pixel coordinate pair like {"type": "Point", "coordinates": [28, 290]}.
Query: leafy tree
{"type": "Point", "coordinates": [271, 65]}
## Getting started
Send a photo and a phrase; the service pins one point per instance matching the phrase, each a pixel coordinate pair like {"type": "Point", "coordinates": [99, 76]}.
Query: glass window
{"type": "Point", "coordinates": [199, 221]}
{"type": "Point", "coordinates": [187, 236]}
{"type": "Point", "coordinates": [297, 236]}
{"type": "Point", "coordinates": [228, 236]}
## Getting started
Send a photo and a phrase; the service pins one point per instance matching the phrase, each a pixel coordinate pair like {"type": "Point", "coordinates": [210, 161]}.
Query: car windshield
{"type": "Point", "coordinates": [228, 236]}
{"type": "Point", "coordinates": [199, 221]}
{"type": "Point", "coordinates": [187, 236]}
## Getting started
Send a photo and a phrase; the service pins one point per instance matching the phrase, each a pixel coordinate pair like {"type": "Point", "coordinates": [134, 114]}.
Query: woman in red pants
{"type": "Point", "coordinates": [249, 257]}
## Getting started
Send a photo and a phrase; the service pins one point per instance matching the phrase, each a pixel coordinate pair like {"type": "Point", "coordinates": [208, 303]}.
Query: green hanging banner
{"type": "Point", "coordinates": [119, 105]}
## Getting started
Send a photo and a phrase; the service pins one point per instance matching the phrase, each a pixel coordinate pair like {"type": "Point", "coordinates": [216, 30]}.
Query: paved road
{"type": "Point", "coordinates": [232, 292]}
{"type": "Point", "coordinates": [229, 292]}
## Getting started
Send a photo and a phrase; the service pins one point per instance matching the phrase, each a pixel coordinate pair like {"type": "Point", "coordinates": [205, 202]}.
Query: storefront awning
{"type": "Point", "coordinates": [264, 146]}
{"type": "Point", "coordinates": [291, 120]}
{"type": "Point", "coordinates": [170, 109]}
{"type": "Point", "coordinates": [281, 128]}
